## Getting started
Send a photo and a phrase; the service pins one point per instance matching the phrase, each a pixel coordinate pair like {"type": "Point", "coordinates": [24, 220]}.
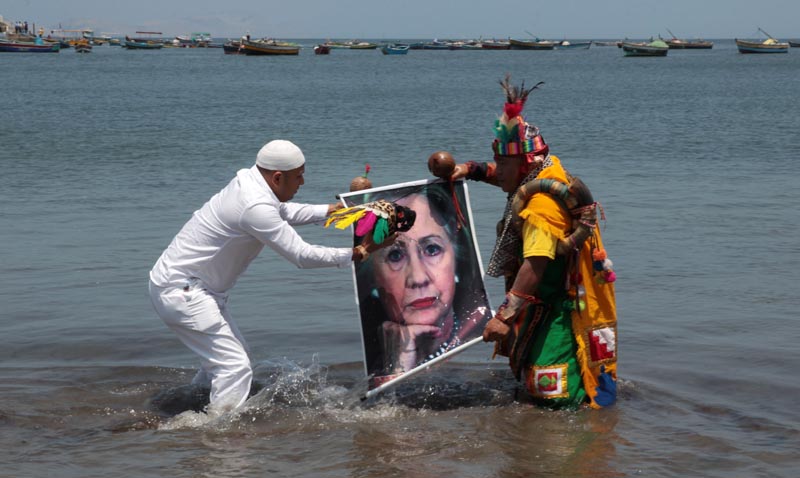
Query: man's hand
{"type": "Point", "coordinates": [496, 330]}
{"type": "Point", "coordinates": [460, 171]}
{"type": "Point", "coordinates": [362, 251]}
{"type": "Point", "coordinates": [334, 207]}
{"type": "Point", "coordinates": [370, 245]}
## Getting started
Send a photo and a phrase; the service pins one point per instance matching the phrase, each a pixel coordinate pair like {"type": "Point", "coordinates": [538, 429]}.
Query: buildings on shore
{"type": "Point", "coordinates": [6, 26]}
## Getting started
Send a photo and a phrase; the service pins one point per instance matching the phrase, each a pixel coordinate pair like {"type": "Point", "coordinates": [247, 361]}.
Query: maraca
{"type": "Point", "coordinates": [441, 164]}
{"type": "Point", "coordinates": [361, 182]}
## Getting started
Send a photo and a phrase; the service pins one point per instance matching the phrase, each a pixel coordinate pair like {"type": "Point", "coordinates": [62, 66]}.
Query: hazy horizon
{"type": "Point", "coordinates": [418, 19]}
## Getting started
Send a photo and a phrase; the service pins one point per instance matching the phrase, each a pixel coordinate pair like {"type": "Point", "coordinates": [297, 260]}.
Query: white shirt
{"type": "Point", "coordinates": [229, 231]}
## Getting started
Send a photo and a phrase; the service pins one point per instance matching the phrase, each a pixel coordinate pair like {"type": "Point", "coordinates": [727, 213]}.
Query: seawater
{"type": "Point", "coordinates": [105, 156]}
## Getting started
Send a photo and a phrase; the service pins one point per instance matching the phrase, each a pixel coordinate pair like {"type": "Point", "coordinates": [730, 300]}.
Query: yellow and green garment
{"type": "Point", "coordinates": [573, 354]}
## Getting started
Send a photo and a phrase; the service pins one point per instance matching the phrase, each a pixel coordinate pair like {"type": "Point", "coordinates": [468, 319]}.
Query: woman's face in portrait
{"type": "Point", "coordinates": [416, 275]}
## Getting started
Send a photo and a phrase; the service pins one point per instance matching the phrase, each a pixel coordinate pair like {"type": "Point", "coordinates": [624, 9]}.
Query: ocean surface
{"type": "Point", "coordinates": [694, 158]}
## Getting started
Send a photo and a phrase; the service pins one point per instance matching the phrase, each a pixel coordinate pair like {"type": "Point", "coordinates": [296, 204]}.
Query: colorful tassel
{"type": "Point", "coordinates": [381, 231]}
{"type": "Point", "coordinates": [336, 215]}
{"type": "Point", "coordinates": [603, 267]}
{"type": "Point", "coordinates": [349, 220]}
{"type": "Point", "coordinates": [365, 224]}
{"type": "Point", "coordinates": [379, 218]}
{"type": "Point", "coordinates": [345, 217]}
{"type": "Point", "coordinates": [599, 255]}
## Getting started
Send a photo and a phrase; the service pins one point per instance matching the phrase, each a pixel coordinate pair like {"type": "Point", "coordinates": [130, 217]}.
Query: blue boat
{"type": "Point", "coordinates": [394, 49]}
{"type": "Point", "coordinates": [140, 45]}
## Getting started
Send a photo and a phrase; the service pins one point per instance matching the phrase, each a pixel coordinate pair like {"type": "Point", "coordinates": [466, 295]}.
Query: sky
{"type": "Point", "coordinates": [380, 19]}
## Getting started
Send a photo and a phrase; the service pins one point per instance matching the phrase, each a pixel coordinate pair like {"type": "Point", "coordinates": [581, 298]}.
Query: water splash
{"type": "Point", "coordinates": [288, 394]}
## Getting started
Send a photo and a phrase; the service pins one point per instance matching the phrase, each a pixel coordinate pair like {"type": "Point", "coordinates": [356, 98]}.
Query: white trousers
{"type": "Point", "coordinates": [202, 322]}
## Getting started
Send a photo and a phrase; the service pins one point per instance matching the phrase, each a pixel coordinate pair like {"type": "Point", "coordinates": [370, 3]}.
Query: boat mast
{"type": "Point", "coordinates": [673, 35]}
{"type": "Point", "coordinates": [767, 34]}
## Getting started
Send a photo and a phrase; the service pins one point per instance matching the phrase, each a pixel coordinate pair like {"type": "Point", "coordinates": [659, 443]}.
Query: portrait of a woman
{"type": "Point", "coordinates": [423, 295]}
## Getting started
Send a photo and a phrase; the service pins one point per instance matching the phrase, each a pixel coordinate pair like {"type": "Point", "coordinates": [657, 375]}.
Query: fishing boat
{"type": "Point", "coordinates": [101, 39]}
{"type": "Point", "coordinates": [83, 47]}
{"type": "Point", "coordinates": [88, 35]}
{"type": "Point", "coordinates": [322, 49]}
{"type": "Point", "coordinates": [536, 44]}
{"type": "Point", "coordinates": [336, 45]}
{"type": "Point", "coordinates": [147, 42]}
{"type": "Point", "coordinates": [456, 45]}
{"type": "Point", "coordinates": [676, 43]}
{"type": "Point", "coordinates": [37, 46]}
{"type": "Point", "coordinates": [363, 45]}
{"type": "Point", "coordinates": [394, 49]}
{"type": "Point", "coordinates": [578, 45]}
{"type": "Point", "coordinates": [436, 45]}
{"type": "Point", "coordinates": [69, 37]}
{"type": "Point", "coordinates": [269, 47]}
{"type": "Point", "coordinates": [770, 45]}
{"type": "Point", "coordinates": [148, 37]}
{"type": "Point", "coordinates": [351, 45]}
{"type": "Point", "coordinates": [495, 45]}
{"type": "Point", "coordinates": [653, 48]}
{"type": "Point", "coordinates": [131, 44]}
{"type": "Point", "coordinates": [195, 40]}
{"type": "Point", "coordinates": [232, 47]}
{"type": "Point", "coordinates": [467, 45]}
{"type": "Point", "coordinates": [184, 41]}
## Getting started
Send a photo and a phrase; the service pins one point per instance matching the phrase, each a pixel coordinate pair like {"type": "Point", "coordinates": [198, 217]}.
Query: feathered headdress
{"type": "Point", "coordinates": [512, 134]}
{"type": "Point", "coordinates": [380, 218]}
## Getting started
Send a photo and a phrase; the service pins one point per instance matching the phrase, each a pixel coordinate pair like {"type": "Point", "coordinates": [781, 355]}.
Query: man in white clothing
{"type": "Point", "coordinates": [189, 283]}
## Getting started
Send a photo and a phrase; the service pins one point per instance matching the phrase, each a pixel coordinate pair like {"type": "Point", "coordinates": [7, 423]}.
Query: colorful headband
{"type": "Point", "coordinates": [513, 135]}
{"type": "Point", "coordinates": [517, 147]}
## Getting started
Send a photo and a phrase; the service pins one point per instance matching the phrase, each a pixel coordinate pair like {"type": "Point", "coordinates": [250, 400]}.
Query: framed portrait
{"type": "Point", "coordinates": [424, 295]}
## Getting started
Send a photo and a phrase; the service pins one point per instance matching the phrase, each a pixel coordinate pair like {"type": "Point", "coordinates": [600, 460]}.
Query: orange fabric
{"type": "Point", "coordinates": [600, 312]}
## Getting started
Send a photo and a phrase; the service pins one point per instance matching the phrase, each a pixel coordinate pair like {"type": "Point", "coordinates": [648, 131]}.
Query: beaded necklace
{"type": "Point", "coordinates": [454, 341]}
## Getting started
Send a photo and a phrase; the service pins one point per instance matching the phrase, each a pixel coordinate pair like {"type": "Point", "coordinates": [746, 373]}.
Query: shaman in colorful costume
{"type": "Point", "coordinates": [557, 324]}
